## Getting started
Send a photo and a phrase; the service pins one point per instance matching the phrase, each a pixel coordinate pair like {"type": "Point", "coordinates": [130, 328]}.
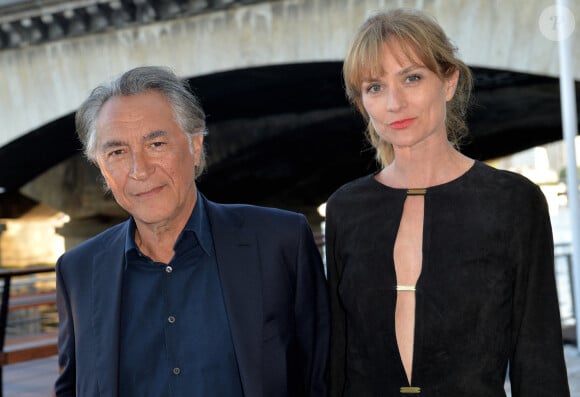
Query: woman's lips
{"type": "Point", "coordinates": [400, 124]}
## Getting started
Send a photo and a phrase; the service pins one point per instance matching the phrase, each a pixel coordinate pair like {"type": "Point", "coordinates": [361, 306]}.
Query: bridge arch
{"type": "Point", "coordinates": [274, 67]}
{"type": "Point", "coordinates": [44, 82]}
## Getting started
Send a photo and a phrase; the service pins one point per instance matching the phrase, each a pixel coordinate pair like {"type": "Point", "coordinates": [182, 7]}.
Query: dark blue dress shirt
{"type": "Point", "coordinates": [175, 335]}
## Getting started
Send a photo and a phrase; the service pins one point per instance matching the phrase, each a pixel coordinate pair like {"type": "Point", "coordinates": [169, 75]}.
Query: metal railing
{"type": "Point", "coordinates": [6, 277]}
{"type": "Point", "coordinates": [564, 281]}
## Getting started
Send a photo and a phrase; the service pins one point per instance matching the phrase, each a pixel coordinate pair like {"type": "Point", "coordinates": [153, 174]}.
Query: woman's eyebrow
{"type": "Point", "coordinates": [410, 69]}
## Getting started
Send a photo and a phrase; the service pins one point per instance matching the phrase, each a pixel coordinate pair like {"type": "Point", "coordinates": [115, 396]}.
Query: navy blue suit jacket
{"type": "Point", "coordinates": [274, 291]}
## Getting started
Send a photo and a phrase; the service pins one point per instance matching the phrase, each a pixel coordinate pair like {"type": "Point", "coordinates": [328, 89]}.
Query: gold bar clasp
{"type": "Point", "coordinates": [416, 192]}
{"type": "Point", "coordinates": [410, 390]}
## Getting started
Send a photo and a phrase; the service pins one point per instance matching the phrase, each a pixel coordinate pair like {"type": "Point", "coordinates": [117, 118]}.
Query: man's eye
{"type": "Point", "coordinates": [157, 144]}
{"type": "Point", "coordinates": [115, 153]}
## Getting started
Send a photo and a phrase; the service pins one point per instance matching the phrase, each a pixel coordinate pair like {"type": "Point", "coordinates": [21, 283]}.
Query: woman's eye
{"type": "Point", "coordinates": [413, 78]}
{"type": "Point", "coordinates": [372, 88]}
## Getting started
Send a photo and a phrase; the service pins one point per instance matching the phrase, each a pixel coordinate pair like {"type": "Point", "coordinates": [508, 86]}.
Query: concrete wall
{"type": "Point", "coordinates": [41, 83]}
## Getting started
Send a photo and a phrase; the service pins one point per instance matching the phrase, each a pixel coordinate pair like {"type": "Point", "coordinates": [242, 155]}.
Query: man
{"type": "Point", "coordinates": [187, 297]}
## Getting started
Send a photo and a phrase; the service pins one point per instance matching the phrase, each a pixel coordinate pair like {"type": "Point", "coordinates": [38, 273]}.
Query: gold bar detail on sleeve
{"type": "Point", "coordinates": [406, 288]}
{"type": "Point", "coordinates": [410, 390]}
{"type": "Point", "coordinates": [416, 192]}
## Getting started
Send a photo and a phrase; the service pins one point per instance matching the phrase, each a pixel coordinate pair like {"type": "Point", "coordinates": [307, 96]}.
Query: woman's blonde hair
{"type": "Point", "coordinates": [419, 35]}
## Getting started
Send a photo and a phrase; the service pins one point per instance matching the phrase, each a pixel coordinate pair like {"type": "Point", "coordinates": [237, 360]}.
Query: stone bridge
{"type": "Point", "coordinates": [268, 74]}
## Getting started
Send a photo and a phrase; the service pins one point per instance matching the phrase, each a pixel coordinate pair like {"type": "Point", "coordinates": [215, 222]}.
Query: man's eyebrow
{"type": "Point", "coordinates": [147, 137]}
{"type": "Point", "coordinates": [154, 135]}
{"type": "Point", "coordinates": [112, 144]}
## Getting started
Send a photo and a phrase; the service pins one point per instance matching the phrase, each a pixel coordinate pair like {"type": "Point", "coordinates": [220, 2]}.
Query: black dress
{"type": "Point", "coordinates": [486, 297]}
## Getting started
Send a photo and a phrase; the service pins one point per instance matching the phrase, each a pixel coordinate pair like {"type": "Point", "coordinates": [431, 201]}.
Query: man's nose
{"type": "Point", "coordinates": [140, 166]}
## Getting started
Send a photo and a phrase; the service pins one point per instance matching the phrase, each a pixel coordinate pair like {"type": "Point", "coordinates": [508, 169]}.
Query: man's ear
{"type": "Point", "coordinates": [197, 147]}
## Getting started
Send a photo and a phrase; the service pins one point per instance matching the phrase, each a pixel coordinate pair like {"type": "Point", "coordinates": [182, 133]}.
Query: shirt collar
{"type": "Point", "coordinates": [198, 224]}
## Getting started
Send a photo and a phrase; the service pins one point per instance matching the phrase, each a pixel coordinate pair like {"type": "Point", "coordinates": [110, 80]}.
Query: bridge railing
{"type": "Point", "coordinates": [564, 280]}
{"type": "Point", "coordinates": [25, 292]}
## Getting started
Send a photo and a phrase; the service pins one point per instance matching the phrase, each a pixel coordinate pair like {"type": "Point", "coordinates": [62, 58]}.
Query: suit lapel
{"type": "Point", "coordinates": [240, 275]}
{"type": "Point", "coordinates": [106, 310]}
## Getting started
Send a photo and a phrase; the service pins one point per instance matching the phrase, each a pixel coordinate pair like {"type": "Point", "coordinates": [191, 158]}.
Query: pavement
{"type": "Point", "coordinates": [573, 366]}
{"type": "Point", "coordinates": [30, 378]}
{"type": "Point", "coordinates": [35, 378]}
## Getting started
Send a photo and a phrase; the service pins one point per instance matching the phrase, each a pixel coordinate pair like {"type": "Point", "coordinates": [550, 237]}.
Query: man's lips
{"type": "Point", "coordinates": [149, 192]}
{"type": "Point", "coordinates": [400, 124]}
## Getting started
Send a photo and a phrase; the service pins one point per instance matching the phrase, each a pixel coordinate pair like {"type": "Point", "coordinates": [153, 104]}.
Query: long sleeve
{"type": "Point", "coordinates": [537, 366]}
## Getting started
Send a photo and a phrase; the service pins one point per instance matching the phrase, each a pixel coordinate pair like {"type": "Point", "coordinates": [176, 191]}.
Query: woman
{"type": "Point", "coordinates": [440, 267]}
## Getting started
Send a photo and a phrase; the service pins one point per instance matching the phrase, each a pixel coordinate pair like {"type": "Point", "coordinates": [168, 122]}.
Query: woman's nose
{"type": "Point", "coordinates": [394, 98]}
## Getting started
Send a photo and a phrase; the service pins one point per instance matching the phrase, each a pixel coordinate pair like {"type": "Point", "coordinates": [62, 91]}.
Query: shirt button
{"type": "Point", "coordinates": [176, 371]}
{"type": "Point", "coordinates": [171, 319]}
{"type": "Point", "coordinates": [168, 269]}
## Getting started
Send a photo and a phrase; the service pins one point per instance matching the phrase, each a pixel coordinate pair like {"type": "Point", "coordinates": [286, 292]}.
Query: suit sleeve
{"type": "Point", "coordinates": [537, 366]}
{"type": "Point", "coordinates": [312, 313]}
{"type": "Point", "coordinates": [65, 384]}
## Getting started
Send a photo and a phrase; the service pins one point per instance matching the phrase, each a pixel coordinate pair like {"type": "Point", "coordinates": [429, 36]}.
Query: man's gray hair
{"type": "Point", "coordinates": [186, 107]}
